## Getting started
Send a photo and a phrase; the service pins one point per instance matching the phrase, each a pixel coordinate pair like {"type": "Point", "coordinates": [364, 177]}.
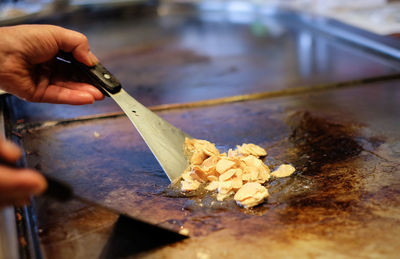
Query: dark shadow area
{"type": "Point", "coordinates": [131, 237]}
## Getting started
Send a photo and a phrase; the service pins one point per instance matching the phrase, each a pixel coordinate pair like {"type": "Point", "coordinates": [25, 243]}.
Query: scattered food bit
{"type": "Point", "coordinates": [202, 255]}
{"type": "Point", "coordinates": [184, 231]}
{"type": "Point", "coordinates": [19, 135]}
{"type": "Point", "coordinates": [241, 172]}
{"type": "Point", "coordinates": [18, 216]}
{"type": "Point", "coordinates": [96, 134]}
{"type": "Point", "coordinates": [283, 171]}
{"type": "Point", "coordinates": [22, 241]}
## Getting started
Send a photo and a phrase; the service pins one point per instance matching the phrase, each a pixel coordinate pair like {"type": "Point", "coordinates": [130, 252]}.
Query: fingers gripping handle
{"type": "Point", "coordinates": [101, 77]}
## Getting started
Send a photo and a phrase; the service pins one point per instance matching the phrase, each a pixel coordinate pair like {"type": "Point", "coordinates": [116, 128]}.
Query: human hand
{"type": "Point", "coordinates": [17, 185]}
{"type": "Point", "coordinates": [26, 52]}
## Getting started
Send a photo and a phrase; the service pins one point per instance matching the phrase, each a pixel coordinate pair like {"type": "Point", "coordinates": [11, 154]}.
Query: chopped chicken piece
{"type": "Point", "coordinates": [210, 150]}
{"type": "Point", "coordinates": [210, 163]}
{"type": "Point", "coordinates": [225, 186]}
{"type": "Point", "coordinates": [233, 153]}
{"type": "Point", "coordinates": [198, 157]}
{"type": "Point", "coordinates": [227, 175]}
{"type": "Point", "coordinates": [200, 150]}
{"type": "Point", "coordinates": [206, 146]}
{"type": "Point", "coordinates": [250, 173]}
{"type": "Point", "coordinates": [224, 190]}
{"type": "Point", "coordinates": [237, 183]}
{"type": "Point", "coordinates": [251, 194]}
{"type": "Point", "coordinates": [212, 178]}
{"type": "Point", "coordinates": [190, 185]}
{"type": "Point", "coordinates": [223, 165]}
{"type": "Point", "coordinates": [198, 174]}
{"type": "Point", "coordinates": [186, 176]}
{"type": "Point", "coordinates": [251, 160]}
{"type": "Point", "coordinates": [283, 171]}
{"type": "Point", "coordinates": [251, 149]}
{"type": "Point", "coordinates": [224, 193]}
{"type": "Point", "coordinates": [189, 144]}
{"type": "Point", "coordinates": [212, 186]}
{"type": "Point", "coordinates": [263, 173]}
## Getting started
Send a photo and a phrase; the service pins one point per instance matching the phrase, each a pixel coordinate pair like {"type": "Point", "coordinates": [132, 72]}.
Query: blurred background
{"type": "Point", "coordinates": [378, 16]}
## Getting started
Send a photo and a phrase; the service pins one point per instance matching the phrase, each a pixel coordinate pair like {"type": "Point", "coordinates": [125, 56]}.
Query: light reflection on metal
{"type": "Point", "coordinates": [233, 11]}
{"type": "Point", "coordinates": [8, 228]}
{"type": "Point", "coordinates": [211, 6]}
{"type": "Point", "coordinates": [8, 234]}
{"type": "Point", "coordinates": [364, 41]}
{"type": "Point", "coordinates": [240, 17]}
{"type": "Point", "coordinates": [322, 55]}
{"type": "Point", "coordinates": [239, 6]}
{"type": "Point", "coordinates": [305, 53]}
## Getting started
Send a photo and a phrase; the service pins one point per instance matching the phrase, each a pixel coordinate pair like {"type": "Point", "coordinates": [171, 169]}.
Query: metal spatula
{"type": "Point", "coordinates": [164, 140]}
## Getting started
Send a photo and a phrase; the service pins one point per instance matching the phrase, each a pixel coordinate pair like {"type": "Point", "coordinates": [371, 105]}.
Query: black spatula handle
{"type": "Point", "coordinates": [101, 77]}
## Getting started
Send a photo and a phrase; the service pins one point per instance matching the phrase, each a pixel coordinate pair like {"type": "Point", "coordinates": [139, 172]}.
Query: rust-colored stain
{"type": "Point", "coordinates": [321, 141]}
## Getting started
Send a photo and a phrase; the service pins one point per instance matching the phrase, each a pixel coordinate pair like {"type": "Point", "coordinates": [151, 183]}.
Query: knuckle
{"type": "Point", "coordinates": [82, 38]}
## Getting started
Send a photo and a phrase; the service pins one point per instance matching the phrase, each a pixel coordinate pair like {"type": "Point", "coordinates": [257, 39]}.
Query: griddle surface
{"type": "Point", "coordinates": [343, 201]}
{"type": "Point", "coordinates": [345, 188]}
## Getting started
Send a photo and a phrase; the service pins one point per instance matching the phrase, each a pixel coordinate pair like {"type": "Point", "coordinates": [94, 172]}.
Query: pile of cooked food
{"type": "Point", "coordinates": [239, 172]}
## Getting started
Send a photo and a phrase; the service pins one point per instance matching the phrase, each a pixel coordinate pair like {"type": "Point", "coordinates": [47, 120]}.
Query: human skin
{"type": "Point", "coordinates": [26, 53]}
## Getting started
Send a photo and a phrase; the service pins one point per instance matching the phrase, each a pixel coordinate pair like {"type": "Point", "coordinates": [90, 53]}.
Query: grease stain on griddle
{"type": "Point", "coordinates": [327, 190]}
{"type": "Point", "coordinates": [319, 142]}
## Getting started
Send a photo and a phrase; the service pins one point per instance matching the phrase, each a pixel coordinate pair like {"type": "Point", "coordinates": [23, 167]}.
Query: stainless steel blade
{"type": "Point", "coordinates": [164, 140]}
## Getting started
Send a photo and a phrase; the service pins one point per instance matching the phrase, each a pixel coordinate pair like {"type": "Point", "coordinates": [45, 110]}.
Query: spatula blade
{"type": "Point", "coordinates": [164, 140]}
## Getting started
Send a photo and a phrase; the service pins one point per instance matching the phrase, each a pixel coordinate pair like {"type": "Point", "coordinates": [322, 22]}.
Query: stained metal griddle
{"type": "Point", "coordinates": [346, 180]}
{"type": "Point", "coordinates": [344, 143]}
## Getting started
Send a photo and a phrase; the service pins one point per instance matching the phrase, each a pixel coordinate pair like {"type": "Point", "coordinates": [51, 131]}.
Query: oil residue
{"type": "Point", "coordinates": [174, 191]}
{"type": "Point", "coordinates": [199, 199]}
{"type": "Point", "coordinates": [319, 142]}
{"type": "Point", "coordinates": [328, 185]}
